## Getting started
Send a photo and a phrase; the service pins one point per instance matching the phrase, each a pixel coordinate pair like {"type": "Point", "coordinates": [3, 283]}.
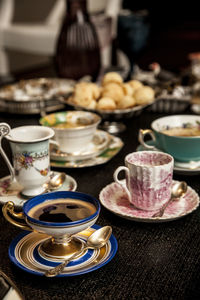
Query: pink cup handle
{"type": "Point", "coordinates": [142, 133]}
{"type": "Point", "coordinates": [121, 182]}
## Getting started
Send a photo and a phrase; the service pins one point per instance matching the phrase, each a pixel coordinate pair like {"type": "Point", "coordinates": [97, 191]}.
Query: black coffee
{"type": "Point", "coordinates": [62, 210]}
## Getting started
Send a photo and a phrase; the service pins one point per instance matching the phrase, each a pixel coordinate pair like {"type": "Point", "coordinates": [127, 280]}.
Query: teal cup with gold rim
{"type": "Point", "coordinates": [178, 135]}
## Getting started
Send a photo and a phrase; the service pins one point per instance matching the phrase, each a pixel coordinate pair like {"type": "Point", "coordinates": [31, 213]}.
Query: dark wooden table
{"type": "Point", "coordinates": [153, 261]}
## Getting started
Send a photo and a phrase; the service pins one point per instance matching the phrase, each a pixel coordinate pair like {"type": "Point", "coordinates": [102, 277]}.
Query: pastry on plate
{"type": "Point", "coordinates": [114, 91]}
{"type": "Point", "coordinates": [112, 77]}
{"type": "Point", "coordinates": [106, 103]}
{"type": "Point", "coordinates": [126, 102]}
{"type": "Point", "coordinates": [144, 95]}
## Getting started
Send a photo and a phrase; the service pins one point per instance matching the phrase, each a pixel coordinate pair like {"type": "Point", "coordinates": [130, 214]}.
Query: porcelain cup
{"type": "Point", "coordinates": [182, 148]}
{"type": "Point", "coordinates": [148, 178]}
{"type": "Point", "coordinates": [30, 152]}
{"type": "Point", "coordinates": [74, 130]}
{"type": "Point", "coordinates": [60, 243]}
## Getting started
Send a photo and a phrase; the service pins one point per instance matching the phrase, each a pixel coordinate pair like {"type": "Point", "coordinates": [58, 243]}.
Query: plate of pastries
{"type": "Point", "coordinates": [112, 97]}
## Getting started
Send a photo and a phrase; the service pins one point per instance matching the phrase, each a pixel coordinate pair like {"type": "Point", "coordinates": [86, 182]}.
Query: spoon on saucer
{"type": "Point", "coordinates": [95, 241]}
{"type": "Point", "coordinates": [178, 190]}
{"type": "Point", "coordinates": [55, 182]}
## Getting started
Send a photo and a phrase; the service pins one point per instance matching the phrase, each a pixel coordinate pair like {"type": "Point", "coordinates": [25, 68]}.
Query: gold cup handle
{"type": "Point", "coordinates": [141, 135]}
{"type": "Point", "coordinates": [10, 214]}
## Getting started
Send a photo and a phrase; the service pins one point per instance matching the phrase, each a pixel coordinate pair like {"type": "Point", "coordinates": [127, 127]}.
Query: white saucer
{"type": "Point", "coordinates": [14, 195]}
{"type": "Point", "coordinates": [94, 148]}
{"type": "Point", "coordinates": [113, 147]}
{"type": "Point", "coordinates": [115, 199]}
{"type": "Point", "coordinates": [192, 165]}
{"type": "Point", "coordinates": [182, 168]}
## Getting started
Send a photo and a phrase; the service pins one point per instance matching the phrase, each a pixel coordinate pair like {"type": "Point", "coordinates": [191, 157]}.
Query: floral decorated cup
{"type": "Point", "coordinates": [74, 130]}
{"type": "Point", "coordinates": [178, 135]}
{"type": "Point", "coordinates": [58, 215]}
{"type": "Point", "coordinates": [148, 178]}
{"type": "Point", "coordinates": [30, 151]}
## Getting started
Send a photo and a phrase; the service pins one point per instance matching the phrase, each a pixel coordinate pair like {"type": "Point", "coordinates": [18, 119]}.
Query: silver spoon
{"type": "Point", "coordinates": [178, 190]}
{"type": "Point", "coordinates": [96, 240]}
{"type": "Point", "coordinates": [55, 182]}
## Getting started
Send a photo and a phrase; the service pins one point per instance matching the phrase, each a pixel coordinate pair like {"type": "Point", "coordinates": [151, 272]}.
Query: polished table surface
{"type": "Point", "coordinates": [153, 261]}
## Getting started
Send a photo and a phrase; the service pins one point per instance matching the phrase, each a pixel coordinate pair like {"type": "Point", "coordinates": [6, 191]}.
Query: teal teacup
{"type": "Point", "coordinates": [178, 135]}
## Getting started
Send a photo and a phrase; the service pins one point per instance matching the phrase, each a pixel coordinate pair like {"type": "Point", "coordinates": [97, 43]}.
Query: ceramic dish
{"type": "Point", "coordinates": [13, 194]}
{"type": "Point", "coordinates": [115, 199]}
{"type": "Point", "coordinates": [33, 96]}
{"type": "Point", "coordinates": [23, 252]}
{"type": "Point", "coordinates": [182, 168]}
{"type": "Point", "coordinates": [98, 144]}
{"type": "Point", "coordinates": [113, 147]}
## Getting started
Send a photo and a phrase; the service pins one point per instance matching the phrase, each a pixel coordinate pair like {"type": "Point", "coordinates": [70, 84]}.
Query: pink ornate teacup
{"type": "Point", "coordinates": [148, 178]}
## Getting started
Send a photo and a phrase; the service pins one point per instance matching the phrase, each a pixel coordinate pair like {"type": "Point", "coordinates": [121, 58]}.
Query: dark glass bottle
{"type": "Point", "coordinates": [78, 52]}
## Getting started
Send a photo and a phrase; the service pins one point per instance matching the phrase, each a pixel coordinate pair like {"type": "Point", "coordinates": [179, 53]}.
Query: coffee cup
{"type": "Point", "coordinates": [178, 135]}
{"type": "Point", "coordinates": [148, 179]}
{"type": "Point", "coordinates": [30, 152]}
{"type": "Point", "coordinates": [74, 130]}
{"type": "Point", "coordinates": [59, 215]}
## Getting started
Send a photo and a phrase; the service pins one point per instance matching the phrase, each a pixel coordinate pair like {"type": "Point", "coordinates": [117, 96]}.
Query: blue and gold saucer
{"type": "Point", "coordinates": [23, 252]}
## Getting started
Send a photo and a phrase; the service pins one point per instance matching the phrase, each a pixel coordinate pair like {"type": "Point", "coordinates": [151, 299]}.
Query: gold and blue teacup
{"type": "Point", "coordinates": [58, 215]}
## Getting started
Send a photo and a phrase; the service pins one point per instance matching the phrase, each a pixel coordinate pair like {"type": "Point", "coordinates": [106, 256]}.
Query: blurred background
{"type": "Point", "coordinates": [140, 31]}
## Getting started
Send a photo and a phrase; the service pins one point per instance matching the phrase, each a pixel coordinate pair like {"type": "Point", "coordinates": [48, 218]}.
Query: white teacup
{"type": "Point", "coordinates": [148, 178]}
{"type": "Point", "coordinates": [30, 151]}
{"type": "Point", "coordinates": [74, 130]}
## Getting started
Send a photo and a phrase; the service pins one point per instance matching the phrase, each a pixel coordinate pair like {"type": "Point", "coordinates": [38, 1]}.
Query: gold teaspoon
{"type": "Point", "coordinates": [55, 182]}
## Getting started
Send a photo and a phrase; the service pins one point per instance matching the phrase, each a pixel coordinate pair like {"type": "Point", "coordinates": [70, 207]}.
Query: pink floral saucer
{"type": "Point", "coordinates": [114, 198]}
{"type": "Point", "coordinates": [12, 192]}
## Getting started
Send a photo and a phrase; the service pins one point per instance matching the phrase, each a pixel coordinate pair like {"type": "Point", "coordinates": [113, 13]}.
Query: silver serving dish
{"type": "Point", "coordinates": [33, 96]}
{"type": "Point", "coordinates": [113, 119]}
{"type": "Point", "coordinates": [172, 102]}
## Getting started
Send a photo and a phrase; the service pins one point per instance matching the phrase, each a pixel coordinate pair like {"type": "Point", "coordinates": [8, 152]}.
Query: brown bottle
{"type": "Point", "coordinates": [78, 52]}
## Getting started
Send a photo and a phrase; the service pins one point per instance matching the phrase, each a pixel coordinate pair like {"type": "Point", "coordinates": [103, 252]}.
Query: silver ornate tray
{"type": "Point", "coordinates": [33, 96]}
